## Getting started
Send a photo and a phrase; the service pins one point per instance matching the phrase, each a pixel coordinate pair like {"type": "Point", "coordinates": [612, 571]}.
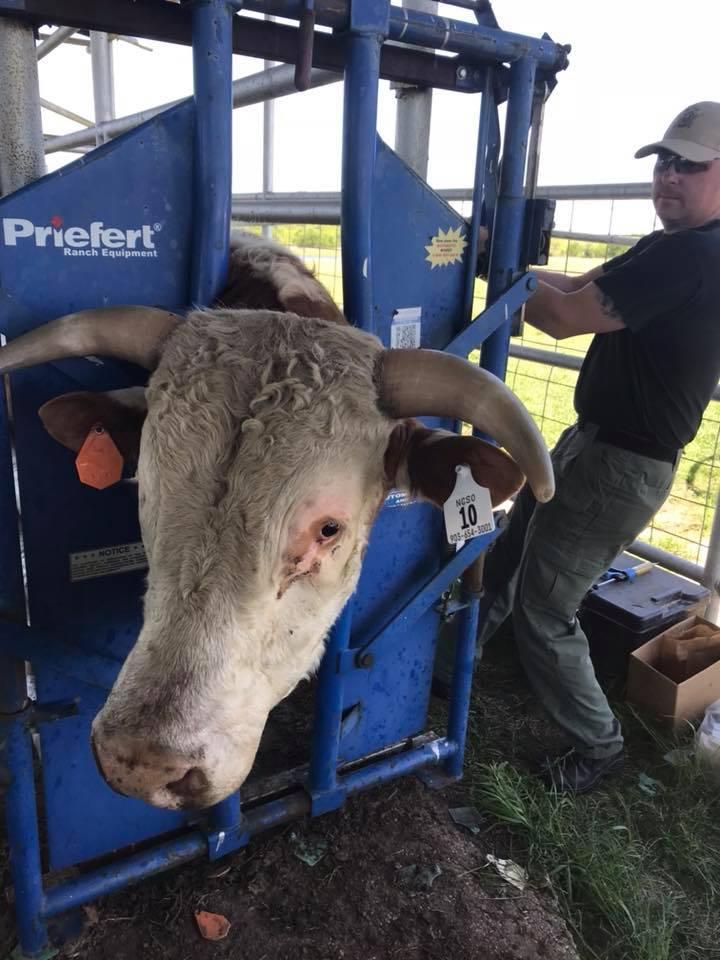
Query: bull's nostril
{"type": "Point", "coordinates": [188, 787]}
{"type": "Point", "coordinates": [98, 763]}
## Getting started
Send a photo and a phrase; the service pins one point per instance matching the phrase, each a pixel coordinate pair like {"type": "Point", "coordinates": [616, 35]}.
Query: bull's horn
{"type": "Point", "coordinates": [129, 333]}
{"type": "Point", "coordinates": [427, 383]}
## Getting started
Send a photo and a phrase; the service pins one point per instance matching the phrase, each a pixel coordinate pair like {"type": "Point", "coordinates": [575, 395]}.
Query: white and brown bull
{"type": "Point", "coordinates": [268, 440]}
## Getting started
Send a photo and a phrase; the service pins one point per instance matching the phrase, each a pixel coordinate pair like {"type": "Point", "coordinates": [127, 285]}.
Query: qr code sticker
{"type": "Point", "coordinates": [405, 336]}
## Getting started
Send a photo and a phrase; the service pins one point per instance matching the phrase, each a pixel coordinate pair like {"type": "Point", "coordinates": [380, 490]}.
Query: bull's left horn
{"type": "Point", "coordinates": [427, 383]}
{"type": "Point", "coordinates": [128, 333]}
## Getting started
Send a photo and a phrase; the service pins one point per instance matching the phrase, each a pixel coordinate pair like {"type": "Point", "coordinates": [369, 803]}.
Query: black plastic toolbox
{"type": "Point", "coordinates": [620, 616]}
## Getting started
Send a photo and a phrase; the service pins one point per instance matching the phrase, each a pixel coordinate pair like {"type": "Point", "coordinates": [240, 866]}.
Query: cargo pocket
{"type": "Point", "coordinates": [554, 584]}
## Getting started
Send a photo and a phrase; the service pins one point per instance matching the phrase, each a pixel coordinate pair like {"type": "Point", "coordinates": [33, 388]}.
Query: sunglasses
{"type": "Point", "coordinates": [680, 164]}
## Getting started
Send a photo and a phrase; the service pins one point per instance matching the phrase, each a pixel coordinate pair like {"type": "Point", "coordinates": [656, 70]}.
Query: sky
{"type": "Point", "coordinates": [634, 65]}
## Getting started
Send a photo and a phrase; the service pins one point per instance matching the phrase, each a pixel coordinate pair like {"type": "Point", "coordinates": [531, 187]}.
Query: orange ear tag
{"type": "Point", "coordinates": [99, 463]}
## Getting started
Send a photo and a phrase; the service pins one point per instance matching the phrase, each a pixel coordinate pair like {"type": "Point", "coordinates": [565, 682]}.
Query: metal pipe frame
{"type": "Point", "coordinates": [171, 23]}
{"type": "Point", "coordinates": [212, 78]}
{"type": "Point", "coordinates": [268, 147]}
{"type": "Point", "coordinates": [358, 163]}
{"type": "Point", "coordinates": [663, 558]}
{"type": "Point", "coordinates": [54, 40]}
{"type": "Point", "coordinates": [484, 189]}
{"type": "Point", "coordinates": [368, 28]}
{"type": "Point", "coordinates": [711, 572]}
{"type": "Point", "coordinates": [536, 125]}
{"type": "Point", "coordinates": [274, 813]}
{"type": "Point", "coordinates": [212, 73]}
{"type": "Point", "coordinates": [304, 207]}
{"type": "Point", "coordinates": [280, 204]}
{"type": "Point", "coordinates": [324, 208]}
{"type": "Point", "coordinates": [429, 30]}
{"type": "Point", "coordinates": [463, 668]}
{"type": "Point", "coordinates": [475, 41]}
{"type": "Point", "coordinates": [24, 841]}
{"type": "Point", "coordinates": [63, 112]}
{"type": "Point", "coordinates": [510, 209]}
{"type": "Point", "coordinates": [566, 361]}
{"type": "Point", "coordinates": [257, 88]}
{"type": "Point", "coordinates": [102, 74]}
{"type": "Point", "coordinates": [414, 112]}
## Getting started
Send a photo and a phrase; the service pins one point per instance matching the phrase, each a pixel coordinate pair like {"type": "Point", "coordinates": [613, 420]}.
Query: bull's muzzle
{"type": "Point", "coordinates": [134, 768]}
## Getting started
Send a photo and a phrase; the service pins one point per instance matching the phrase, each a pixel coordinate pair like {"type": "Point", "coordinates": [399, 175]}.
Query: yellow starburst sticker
{"type": "Point", "coordinates": [446, 247]}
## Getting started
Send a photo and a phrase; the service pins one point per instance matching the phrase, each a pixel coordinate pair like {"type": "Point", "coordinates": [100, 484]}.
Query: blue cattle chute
{"type": "Point", "coordinates": [144, 219]}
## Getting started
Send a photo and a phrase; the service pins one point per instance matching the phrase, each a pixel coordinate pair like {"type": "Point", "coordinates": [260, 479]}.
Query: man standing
{"type": "Point", "coordinates": [649, 374]}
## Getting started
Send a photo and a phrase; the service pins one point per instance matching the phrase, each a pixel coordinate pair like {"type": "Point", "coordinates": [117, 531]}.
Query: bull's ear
{"type": "Point", "coordinates": [423, 462]}
{"type": "Point", "coordinates": [264, 275]}
{"type": "Point", "coordinates": [299, 291]}
{"type": "Point", "coordinates": [309, 299]}
{"type": "Point", "coordinates": [69, 418]}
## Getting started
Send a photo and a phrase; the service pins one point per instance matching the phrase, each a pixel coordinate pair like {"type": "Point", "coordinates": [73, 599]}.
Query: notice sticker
{"type": "Point", "coordinates": [106, 561]}
{"type": "Point", "coordinates": [468, 509]}
{"type": "Point", "coordinates": [446, 247]}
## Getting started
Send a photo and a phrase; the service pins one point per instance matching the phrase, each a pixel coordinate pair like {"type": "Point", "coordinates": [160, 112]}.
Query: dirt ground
{"type": "Point", "coordinates": [397, 879]}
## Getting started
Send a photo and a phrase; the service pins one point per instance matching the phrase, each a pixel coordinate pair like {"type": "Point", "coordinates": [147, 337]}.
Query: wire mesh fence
{"type": "Point", "coordinates": [682, 526]}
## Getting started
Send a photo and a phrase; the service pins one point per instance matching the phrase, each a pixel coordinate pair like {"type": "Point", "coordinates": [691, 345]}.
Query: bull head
{"type": "Point", "coordinates": [266, 443]}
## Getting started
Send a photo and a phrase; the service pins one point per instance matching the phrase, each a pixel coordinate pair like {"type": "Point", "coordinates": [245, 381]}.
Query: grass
{"type": "Point", "coordinates": [596, 867]}
{"type": "Point", "coordinates": [634, 866]}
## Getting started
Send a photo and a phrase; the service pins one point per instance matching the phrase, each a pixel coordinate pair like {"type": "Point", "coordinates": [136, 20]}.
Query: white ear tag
{"type": "Point", "coordinates": [468, 509]}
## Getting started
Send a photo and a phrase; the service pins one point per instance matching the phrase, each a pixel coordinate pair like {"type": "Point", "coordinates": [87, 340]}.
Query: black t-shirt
{"type": "Point", "coordinates": [654, 378]}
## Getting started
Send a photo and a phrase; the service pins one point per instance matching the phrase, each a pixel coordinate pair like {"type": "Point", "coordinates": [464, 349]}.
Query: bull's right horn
{"type": "Point", "coordinates": [428, 383]}
{"type": "Point", "coordinates": [128, 333]}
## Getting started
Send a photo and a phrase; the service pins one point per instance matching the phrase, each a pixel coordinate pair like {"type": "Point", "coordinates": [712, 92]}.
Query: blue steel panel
{"type": "Point", "coordinates": [358, 178]}
{"type": "Point", "coordinates": [142, 179]}
{"type": "Point", "coordinates": [408, 543]}
{"type": "Point", "coordinates": [84, 817]}
{"type": "Point", "coordinates": [136, 190]}
{"type": "Point", "coordinates": [407, 214]}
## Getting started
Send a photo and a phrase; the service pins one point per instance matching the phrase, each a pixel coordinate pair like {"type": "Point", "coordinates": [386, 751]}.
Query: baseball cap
{"type": "Point", "coordinates": [693, 134]}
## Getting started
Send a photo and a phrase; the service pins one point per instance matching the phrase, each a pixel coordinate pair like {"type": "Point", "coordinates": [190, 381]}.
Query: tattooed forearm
{"type": "Point", "coordinates": [561, 315]}
{"type": "Point", "coordinates": [606, 304]}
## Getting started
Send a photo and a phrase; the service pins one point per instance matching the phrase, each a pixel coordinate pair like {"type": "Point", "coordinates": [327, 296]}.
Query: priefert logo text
{"type": "Point", "coordinates": [97, 240]}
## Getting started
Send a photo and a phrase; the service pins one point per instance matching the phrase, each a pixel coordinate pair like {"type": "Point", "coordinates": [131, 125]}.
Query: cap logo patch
{"type": "Point", "coordinates": [688, 117]}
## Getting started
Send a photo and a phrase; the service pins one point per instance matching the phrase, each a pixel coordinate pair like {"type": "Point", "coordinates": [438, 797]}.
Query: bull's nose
{"type": "Point", "coordinates": [191, 786]}
{"type": "Point", "coordinates": [98, 763]}
{"type": "Point", "coordinates": [135, 769]}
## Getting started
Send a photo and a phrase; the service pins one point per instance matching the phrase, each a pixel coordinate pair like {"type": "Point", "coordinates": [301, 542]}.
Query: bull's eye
{"type": "Point", "coordinates": [329, 529]}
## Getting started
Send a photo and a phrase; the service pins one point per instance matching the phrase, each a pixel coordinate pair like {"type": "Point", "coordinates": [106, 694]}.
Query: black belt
{"type": "Point", "coordinates": [630, 441]}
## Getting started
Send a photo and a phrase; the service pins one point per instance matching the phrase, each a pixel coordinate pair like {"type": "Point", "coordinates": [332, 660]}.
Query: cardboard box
{"type": "Point", "coordinates": [671, 701]}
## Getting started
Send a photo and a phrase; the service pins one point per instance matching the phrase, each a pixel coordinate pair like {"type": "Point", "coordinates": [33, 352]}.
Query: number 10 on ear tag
{"type": "Point", "coordinates": [468, 509]}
